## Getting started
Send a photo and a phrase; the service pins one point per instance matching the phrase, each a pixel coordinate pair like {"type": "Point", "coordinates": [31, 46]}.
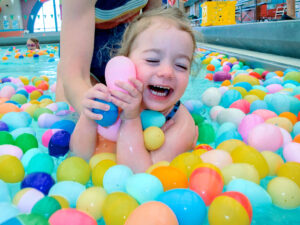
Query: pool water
{"type": "Point", "coordinates": [31, 67]}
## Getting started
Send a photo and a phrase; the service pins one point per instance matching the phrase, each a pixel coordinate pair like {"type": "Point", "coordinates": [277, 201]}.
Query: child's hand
{"type": "Point", "coordinates": [99, 91]}
{"type": "Point", "coordinates": [130, 102]}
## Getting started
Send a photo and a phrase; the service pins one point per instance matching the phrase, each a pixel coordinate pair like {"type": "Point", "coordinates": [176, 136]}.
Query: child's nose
{"type": "Point", "coordinates": [166, 70]}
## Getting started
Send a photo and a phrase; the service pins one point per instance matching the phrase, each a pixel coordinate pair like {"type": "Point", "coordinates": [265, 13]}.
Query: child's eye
{"type": "Point", "coordinates": [181, 66]}
{"type": "Point", "coordinates": [152, 60]}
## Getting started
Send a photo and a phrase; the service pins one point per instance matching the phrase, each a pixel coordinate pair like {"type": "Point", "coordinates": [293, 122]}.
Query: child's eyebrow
{"type": "Point", "coordinates": [152, 50]}
{"type": "Point", "coordinates": [180, 55]}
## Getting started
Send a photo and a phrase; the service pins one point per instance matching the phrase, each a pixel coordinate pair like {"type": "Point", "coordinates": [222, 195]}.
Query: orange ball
{"type": "Point", "coordinates": [210, 67]}
{"type": "Point", "coordinates": [297, 138]}
{"type": "Point", "coordinates": [226, 83]}
{"type": "Point", "coordinates": [279, 73]}
{"type": "Point", "coordinates": [209, 76]}
{"type": "Point", "coordinates": [170, 177]}
{"type": "Point", "coordinates": [291, 116]}
{"type": "Point", "coordinates": [43, 85]}
{"type": "Point", "coordinates": [51, 55]}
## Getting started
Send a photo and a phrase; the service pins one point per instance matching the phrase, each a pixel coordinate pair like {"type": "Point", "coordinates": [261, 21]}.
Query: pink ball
{"type": "Point", "coordinates": [265, 113]}
{"type": "Point", "coordinates": [47, 136]}
{"type": "Point", "coordinates": [53, 107]}
{"type": "Point", "coordinates": [226, 68]}
{"type": "Point", "coordinates": [7, 91]}
{"type": "Point", "coordinates": [265, 137]}
{"type": "Point", "coordinates": [291, 152]}
{"type": "Point", "coordinates": [71, 216]}
{"type": "Point", "coordinates": [119, 68]}
{"type": "Point", "coordinates": [30, 88]}
{"type": "Point", "coordinates": [273, 88]}
{"type": "Point", "coordinates": [111, 132]}
{"type": "Point", "coordinates": [287, 138]}
{"type": "Point", "coordinates": [248, 123]}
{"type": "Point", "coordinates": [242, 105]}
{"type": "Point", "coordinates": [219, 158]}
{"type": "Point", "coordinates": [46, 120]}
{"type": "Point", "coordinates": [25, 106]}
{"type": "Point", "coordinates": [11, 150]}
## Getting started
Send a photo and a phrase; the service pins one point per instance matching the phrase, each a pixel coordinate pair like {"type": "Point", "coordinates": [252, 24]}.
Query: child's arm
{"type": "Point", "coordinates": [83, 139]}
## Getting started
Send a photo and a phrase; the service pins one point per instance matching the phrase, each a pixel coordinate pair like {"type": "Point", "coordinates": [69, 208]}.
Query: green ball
{"type": "Point", "coordinates": [33, 219]}
{"type": "Point", "coordinates": [40, 111]}
{"type": "Point", "coordinates": [26, 141]}
{"type": "Point", "coordinates": [46, 207]}
{"type": "Point", "coordinates": [6, 138]}
{"type": "Point", "coordinates": [19, 98]}
{"type": "Point", "coordinates": [41, 162]}
{"type": "Point", "coordinates": [198, 119]}
{"type": "Point", "coordinates": [259, 70]}
{"type": "Point", "coordinates": [293, 75]}
{"type": "Point", "coordinates": [36, 79]}
{"type": "Point", "coordinates": [206, 133]}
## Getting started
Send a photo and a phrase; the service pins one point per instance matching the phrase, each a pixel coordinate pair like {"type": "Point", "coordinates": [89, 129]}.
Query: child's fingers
{"type": "Point", "coordinates": [97, 94]}
{"type": "Point", "coordinates": [138, 84]}
{"type": "Point", "coordinates": [121, 96]}
{"type": "Point", "coordinates": [92, 115]}
{"type": "Point", "coordinates": [92, 104]}
{"type": "Point", "coordinates": [128, 87]}
{"type": "Point", "coordinates": [101, 87]}
{"type": "Point", "coordinates": [119, 102]}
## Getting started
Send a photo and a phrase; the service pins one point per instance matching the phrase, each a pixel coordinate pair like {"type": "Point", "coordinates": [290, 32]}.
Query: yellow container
{"type": "Point", "coordinates": [218, 13]}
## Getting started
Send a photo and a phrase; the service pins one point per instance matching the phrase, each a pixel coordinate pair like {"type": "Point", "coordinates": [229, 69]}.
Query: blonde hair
{"type": "Point", "coordinates": [143, 21]}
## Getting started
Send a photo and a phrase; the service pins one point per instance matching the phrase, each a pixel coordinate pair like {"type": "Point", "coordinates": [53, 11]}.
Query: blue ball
{"type": "Point", "coordinates": [13, 102]}
{"type": "Point", "coordinates": [110, 116]}
{"type": "Point", "coordinates": [23, 92]}
{"type": "Point", "coordinates": [258, 104]}
{"type": "Point", "coordinates": [278, 103]}
{"type": "Point", "coordinates": [270, 75]}
{"type": "Point", "coordinates": [187, 205]}
{"type": "Point", "coordinates": [43, 97]}
{"type": "Point", "coordinates": [5, 79]}
{"type": "Point", "coordinates": [151, 118]}
{"type": "Point", "coordinates": [3, 126]}
{"type": "Point", "coordinates": [51, 60]}
{"type": "Point", "coordinates": [21, 57]}
{"type": "Point", "coordinates": [231, 134]}
{"type": "Point", "coordinates": [8, 214]}
{"type": "Point", "coordinates": [59, 143]}
{"type": "Point", "coordinates": [38, 180]}
{"type": "Point", "coordinates": [229, 97]}
{"type": "Point", "coordinates": [245, 85]}
{"type": "Point", "coordinates": [35, 56]}
{"type": "Point", "coordinates": [272, 81]}
{"type": "Point", "coordinates": [227, 126]}
{"type": "Point", "coordinates": [67, 125]}
{"type": "Point", "coordinates": [296, 128]}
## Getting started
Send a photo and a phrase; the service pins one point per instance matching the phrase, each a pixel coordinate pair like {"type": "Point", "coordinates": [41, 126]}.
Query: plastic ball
{"type": "Point", "coordinates": [110, 133]}
{"type": "Point", "coordinates": [154, 138]}
{"type": "Point", "coordinates": [16, 120]}
{"type": "Point", "coordinates": [274, 162]}
{"type": "Point", "coordinates": [70, 190]}
{"type": "Point", "coordinates": [211, 97]}
{"type": "Point", "coordinates": [230, 145]}
{"type": "Point", "coordinates": [156, 165]}
{"type": "Point", "coordinates": [187, 205]}
{"type": "Point", "coordinates": [8, 211]}
{"type": "Point", "coordinates": [67, 125]}
{"type": "Point", "coordinates": [6, 138]}
{"type": "Point", "coordinates": [3, 126]}
{"type": "Point", "coordinates": [281, 122]}
{"type": "Point", "coordinates": [291, 152]}
{"type": "Point", "coordinates": [290, 170]}
{"type": "Point", "coordinates": [240, 170]}
{"type": "Point", "coordinates": [59, 143]}
{"type": "Point", "coordinates": [170, 177]}
{"type": "Point", "coordinates": [221, 76]}
{"type": "Point", "coordinates": [46, 206]}
{"type": "Point", "coordinates": [144, 187]}
{"type": "Point", "coordinates": [7, 91]}
{"type": "Point", "coordinates": [151, 118]}
{"type": "Point", "coordinates": [118, 206]}
{"type": "Point", "coordinates": [71, 216]}
{"type": "Point", "coordinates": [152, 213]}
{"type": "Point", "coordinates": [21, 99]}
{"type": "Point", "coordinates": [100, 169]}
{"type": "Point", "coordinates": [230, 115]}
{"type": "Point", "coordinates": [115, 178]}
{"type": "Point", "coordinates": [26, 141]}
{"type": "Point", "coordinates": [248, 123]}
{"type": "Point", "coordinates": [284, 192]}
{"type": "Point", "coordinates": [91, 201]}
{"type": "Point", "coordinates": [11, 169]}
{"type": "Point", "coordinates": [110, 116]}
{"type": "Point", "coordinates": [46, 120]}
{"type": "Point", "coordinates": [26, 198]}
{"type": "Point", "coordinates": [219, 158]}
{"type": "Point", "coordinates": [47, 136]}
{"type": "Point", "coordinates": [35, 95]}
{"type": "Point", "coordinates": [186, 162]}
{"type": "Point", "coordinates": [242, 105]}
{"type": "Point", "coordinates": [38, 180]}
{"type": "Point", "coordinates": [73, 169]}
{"type": "Point", "coordinates": [230, 208]}
{"type": "Point", "coordinates": [95, 159]}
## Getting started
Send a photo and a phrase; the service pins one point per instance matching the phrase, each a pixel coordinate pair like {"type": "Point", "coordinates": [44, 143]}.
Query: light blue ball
{"type": "Point", "coordinates": [257, 196]}
{"type": "Point", "coordinates": [230, 97]}
{"type": "Point", "coordinates": [215, 62]}
{"type": "Point", "coordinates": [259, 87]}
{"type": "Point", "coordinates": [187, 205]}
{"type": "Point", "coordinates": [70, 190]}
{"type": "Point", "coordinates": [294, 104]}
{"type": "Point", "coordinates": [236, 67]}
{"type": "Point", "coordinates": [29, 155]}
{"type": "Point", "coordinates": [296, 91]}
{"type": "Point", "coordinates": [8, 211]}
{"type": "Point", "coordinates": [115, 178]}
{"type": "Point", "coordinates": [245, 85]}
{"type": "Point", "coordinates": [41, 162]}
{"type": "Point", "coordinates": [270, 75]}
{"type": "Point", "coordinates": [44, 97]}
{"type": "Point", "coordinates": [110, 116]}
{"type": "Point", "coordinates": [231, 134]}
{"type": "Point", "coordinates": [289, 85]}
{"type": "Point", "coordinates": [62, 106]}
{"type": "Point", "coordinates": [227, 126]}
{"type": "Point", "coordinates": [16, 120]}
{"type": "Point", "coordinates": [144, 187]}
{"type": "Point", "coordinates": [240, 72]}
{"type": "Point", "coordinates": [151, 118]}
{"type": "Point", "coordinates": [290, 70]}
{"type": "Point", "coordinates": [28, 130]}
{"type": "Point", "coordinates": [194, 106]}
{"type": "Point", "coordinates": [4, 192]}
{"type": "Point", "coordinates": [296, 128]}
{"type": "Point", "coordinates": [67, 125]}
{"type": "Point", "coordinates": [258, 104]}
{"type": "Point", "coordinates": [272, 81]}
{"type": "Point", "coordinates": [23, 92]}
{"type": "Point", "coordinates": [9, 84]}
{"type": "Point", "coordinates": [278, 103]}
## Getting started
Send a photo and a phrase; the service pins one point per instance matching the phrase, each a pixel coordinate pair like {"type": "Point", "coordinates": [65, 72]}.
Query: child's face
{"type": "Point", "coordinates": [31, 45]}
{"type": "Point", "coordinates": [162, 54]}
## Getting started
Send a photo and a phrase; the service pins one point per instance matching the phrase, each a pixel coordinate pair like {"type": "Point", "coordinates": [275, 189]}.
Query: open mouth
{"type": "Point", "coordinates": [160, 90]}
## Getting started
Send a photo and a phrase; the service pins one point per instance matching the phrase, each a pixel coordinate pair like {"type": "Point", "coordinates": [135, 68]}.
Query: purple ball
{"type": "Point", "coordinates": [59, 143]}
{"type": "Point", "coordinates": [228, 64]}
{"type": "Point", "coordinates": [221, 76]}
{"type": "Point", "coordinates": [5, 79]}
{"type": "Point", "coordinates": [38, 180]}
{"type": "Point", "coordinates": [3, 126]}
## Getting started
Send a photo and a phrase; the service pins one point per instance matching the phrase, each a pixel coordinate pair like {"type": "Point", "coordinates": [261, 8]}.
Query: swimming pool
{"type": "Point", "coordinates": [31, 67]}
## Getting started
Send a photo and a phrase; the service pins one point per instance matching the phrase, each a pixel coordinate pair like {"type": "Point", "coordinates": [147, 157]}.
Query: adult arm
{"type": "Point", "coordinates": [77, 42]}
{"type": "Point", "coordinates": [152, 4]}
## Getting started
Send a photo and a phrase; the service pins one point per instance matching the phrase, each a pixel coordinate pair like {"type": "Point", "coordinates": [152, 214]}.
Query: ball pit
{"type": "Point", "coordinates": [250, 119]}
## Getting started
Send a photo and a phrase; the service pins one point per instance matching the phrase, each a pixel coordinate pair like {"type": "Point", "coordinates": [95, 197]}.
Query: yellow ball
{"type": "Point", "coordinates": [34, 102]}
{"type": "Point", "coordinates": [73, 169]}
{"type": "Point", "coordinates": [11, 169]}
{"type": "Point", "coordinates": [62, 201]}
{"type": "Point", "coordinates": [154, 138]}
{"type": "Point", "coordinates": [31, 109]}
{"type": "Point", "coordinates": [158, 164]}
{"type": "Point", "coordinates": [284, 192]}
{"type": "Point", "coordinates": [230, 145]}
{"type": "Point", "coordinates": [91, 201]}
{"type": "Point", "coordinates": [24, 80]}
{"type": "Point", "coordinates": [186, 162]}
{"type": "Point", "coordinates": [282, 122]}
{"type": "Point", "coordinates": [200, 151]}
{"type": "Point", "coordinates": [101, 156]}
{"type": "Point", "coordinates": [35, 95]}
{"type": "Point", "coordinates": [45, 78]}
{"type": "Point", "coordinates": [44, 102]}
{"type": "Point", "coordinates": [251, 98]}
{"type": "Point", "coordinates": [290, 170]}
{"type": "Point", "coordinates": [242, 90]}
{"type": "Point", "coordinates": [274, 162]}
{"type": "Point", "coordinates": [248, 154]}
{"type": "Point", "coordinates": [259, 93]}
{"type": "Point", "coordinates": [100, 169]}
{"type": "Point", "coordinates": [246, 78]}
